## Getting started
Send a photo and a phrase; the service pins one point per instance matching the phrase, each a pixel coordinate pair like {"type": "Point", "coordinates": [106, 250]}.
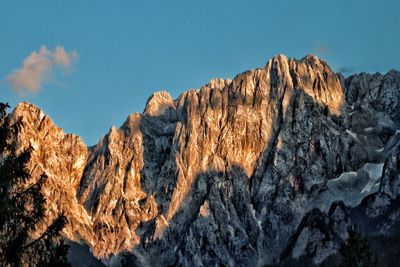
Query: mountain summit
{"type": "Point", "coordinates": [271, 167]}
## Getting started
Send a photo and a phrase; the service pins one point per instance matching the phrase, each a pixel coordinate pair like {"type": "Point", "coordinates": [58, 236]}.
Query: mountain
{"type": "Point", "coordinates": [269, 168]}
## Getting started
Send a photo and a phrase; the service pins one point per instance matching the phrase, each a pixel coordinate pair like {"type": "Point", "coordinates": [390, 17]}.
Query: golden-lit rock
{"type": "Point", "coordinates": [229, 174]}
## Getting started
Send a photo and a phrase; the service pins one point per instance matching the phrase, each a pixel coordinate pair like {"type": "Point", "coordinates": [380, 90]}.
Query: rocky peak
{"type": "Point", "coordinates": [62, 157]}
{"type": "Point", "coordinates": [28, 111]}
{"type": "Point", "coordinates": [236, 172]}
{"type": "Point", "coordinates": [372, 93]}
{"type": "Point", "coordinates": [159, 104]}
{"type": "Point", "coordinates": [219, 83]}
{"type": "Point", "coordinates": [313, 76]}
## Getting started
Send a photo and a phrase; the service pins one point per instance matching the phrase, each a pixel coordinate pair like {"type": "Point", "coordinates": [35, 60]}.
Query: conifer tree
{"type": "Point", "coordinates": [356, 251]}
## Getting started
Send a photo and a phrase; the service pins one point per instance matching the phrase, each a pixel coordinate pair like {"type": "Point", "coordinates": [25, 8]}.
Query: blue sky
{"type": "Point", "coordinates": [129, 49]}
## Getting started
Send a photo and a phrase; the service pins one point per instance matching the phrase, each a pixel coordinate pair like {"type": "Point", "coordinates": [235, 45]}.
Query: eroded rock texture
{"type": "Point", "coordinates": [267, 168]}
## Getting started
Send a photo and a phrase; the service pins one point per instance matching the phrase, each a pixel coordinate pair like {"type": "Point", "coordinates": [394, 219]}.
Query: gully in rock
{"type": "Point", "coordinates": [270, 168]}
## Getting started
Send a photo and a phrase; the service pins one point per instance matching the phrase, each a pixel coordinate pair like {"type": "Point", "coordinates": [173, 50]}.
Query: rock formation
{"type": "Point", "coordinates": [267, 168]}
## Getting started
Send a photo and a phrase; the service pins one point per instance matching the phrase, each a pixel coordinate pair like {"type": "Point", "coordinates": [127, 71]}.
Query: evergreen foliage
{"type": "Point", "coordinates": [356, 251]}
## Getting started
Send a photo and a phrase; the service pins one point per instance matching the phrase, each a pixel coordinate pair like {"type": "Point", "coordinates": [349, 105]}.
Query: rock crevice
{"type": "Point", "coordinates": [235, 173]}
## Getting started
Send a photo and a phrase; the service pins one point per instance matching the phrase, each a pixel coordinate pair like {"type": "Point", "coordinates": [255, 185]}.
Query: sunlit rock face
{"type": "Point", "coordinates": [63, 158]}
{"type": "Point", "coordinates": [267, 168]}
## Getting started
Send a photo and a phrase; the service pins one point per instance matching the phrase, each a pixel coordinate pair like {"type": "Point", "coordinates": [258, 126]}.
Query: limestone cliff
{"type": "Point", "coordinates": [269, 167]}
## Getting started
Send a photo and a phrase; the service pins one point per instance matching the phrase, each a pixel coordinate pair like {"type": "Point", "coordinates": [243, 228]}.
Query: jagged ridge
{"type": "Point", "coordinates": [224, 174]}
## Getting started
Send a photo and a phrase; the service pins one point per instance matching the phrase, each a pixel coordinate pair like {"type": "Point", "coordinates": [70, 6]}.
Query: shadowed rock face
{"type": "Point", "coordinates": [270, 166]}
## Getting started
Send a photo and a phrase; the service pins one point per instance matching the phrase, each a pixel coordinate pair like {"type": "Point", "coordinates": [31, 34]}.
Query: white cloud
{"type": "Point", "coordinates": [38, 68]}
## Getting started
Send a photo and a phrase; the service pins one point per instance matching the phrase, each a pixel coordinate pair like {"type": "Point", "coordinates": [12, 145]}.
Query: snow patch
{"type": "Point", "coordinates": [253, 212]}
{"type": "Point", "coordinates": [345, 177]}
{"type": "Point", "coordinates": [352, 134]}
{"type": "Point", "coordinates": [374, 170]}
{"type": "Point", "coordinates": [350, 187]}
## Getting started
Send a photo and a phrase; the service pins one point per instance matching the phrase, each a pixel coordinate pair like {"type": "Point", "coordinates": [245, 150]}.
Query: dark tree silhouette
{"type": "Point", "coordinates": [22, 207]}
{"type": "Point", "coordinates": [3, 109]}
{"type": "Point", "coordinates": [356, 251]}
